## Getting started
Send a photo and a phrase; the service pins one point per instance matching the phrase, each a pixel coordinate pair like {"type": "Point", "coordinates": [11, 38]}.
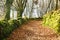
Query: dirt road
{"type": "Point", "coordinates": [33, 30]}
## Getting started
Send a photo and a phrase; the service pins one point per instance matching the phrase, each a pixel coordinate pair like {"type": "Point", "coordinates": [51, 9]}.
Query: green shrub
{"type": "Point", "coordinates": [52, 19]}
{"type": "Point", "coordinates": [3, 23]}
{"type": "Point", "coordinates": [9, 26]}
{"type": "Point", "coordinates": [12, 24]}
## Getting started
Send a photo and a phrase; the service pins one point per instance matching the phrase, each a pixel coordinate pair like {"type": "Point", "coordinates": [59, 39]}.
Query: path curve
{"type": "Point", "coordinates": [33, 30]}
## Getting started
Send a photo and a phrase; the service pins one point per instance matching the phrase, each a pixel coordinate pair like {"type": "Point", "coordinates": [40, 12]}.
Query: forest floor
{"type": "Point", "coordinates": [33, 30]}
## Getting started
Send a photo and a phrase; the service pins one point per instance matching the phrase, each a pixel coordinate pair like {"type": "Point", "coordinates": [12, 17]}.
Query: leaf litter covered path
{"type": "Point", "coordinates": [33, 30]}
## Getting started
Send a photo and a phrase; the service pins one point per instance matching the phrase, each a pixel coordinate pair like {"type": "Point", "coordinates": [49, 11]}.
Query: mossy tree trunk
{"type": "Point", "coordinates": [8, 6]}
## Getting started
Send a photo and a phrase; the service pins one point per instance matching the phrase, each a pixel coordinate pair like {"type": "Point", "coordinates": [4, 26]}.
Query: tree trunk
{"type": "Point", "coordinates": [8, 6]}
{"type": "Point", "coordinates": [20, 8]}
{"type": "Point", "coordinates": [56, 4]}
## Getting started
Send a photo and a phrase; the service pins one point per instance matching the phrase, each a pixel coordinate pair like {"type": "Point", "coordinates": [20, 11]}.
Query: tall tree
{"type": "Point", "coordinates": [20, 6]}
{"type": "Point", "coordinates": [56, 4]}
{"type": "Point", "coordinates": [8, 6]}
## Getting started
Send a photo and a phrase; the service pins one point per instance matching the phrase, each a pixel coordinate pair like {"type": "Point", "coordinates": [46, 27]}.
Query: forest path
{"type": "Point", "coordinates": [33, 30]}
